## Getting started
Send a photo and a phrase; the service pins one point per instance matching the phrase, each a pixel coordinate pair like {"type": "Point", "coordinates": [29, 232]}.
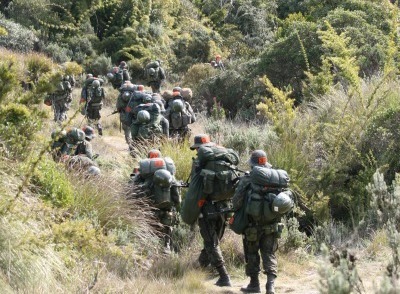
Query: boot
{"type": "Point", "coordinates": [100, 129]}
{"type": "Point", "coordinates": [270, 284]}
{"type": "Point", "coordinates": [224, 279]}
{"type": "Point", "coordinates": [253, 286]}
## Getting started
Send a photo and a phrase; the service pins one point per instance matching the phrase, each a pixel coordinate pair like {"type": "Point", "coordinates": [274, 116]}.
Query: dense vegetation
{"type": "Point", "coordinates": [314, 83]}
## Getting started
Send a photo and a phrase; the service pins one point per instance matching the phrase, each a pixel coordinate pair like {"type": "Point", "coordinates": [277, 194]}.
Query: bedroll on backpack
{"type": "Point", "coordinates": [193, 201]}
{"type": "Point", "coordinates": [218, 174]}
{"type": "Point", "coordinates": [148, 167]}
{"type": "Point", "coordinates": [268, 177]}
{"type": "Point", "coordinates": [180, 119]}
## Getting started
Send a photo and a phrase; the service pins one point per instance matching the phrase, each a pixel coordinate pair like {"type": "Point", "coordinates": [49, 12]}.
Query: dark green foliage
{"type": "Point", "coordinates": [99, 65]}
{"type": "Point", "coordinates": [18, 37]}
{"type": "Point", "coordinates": [381, 141]}
{"type": "Point", "coordinates": [8, 77]}
{"type": "Point", "coordinates": [52, 183]}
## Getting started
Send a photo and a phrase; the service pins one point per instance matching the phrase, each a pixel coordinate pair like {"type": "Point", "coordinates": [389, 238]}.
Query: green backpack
{"type": "Point", "coordinates": [159, 181]}
{"type": "Point", "coordinates": [266, 199]}
{"type": "Point", "coordinates": [179, 114]}
{"type": "Point", "coordinates": [218, 171]}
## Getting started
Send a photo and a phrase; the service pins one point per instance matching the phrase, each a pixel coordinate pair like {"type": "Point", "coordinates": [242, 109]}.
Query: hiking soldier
{"type": "Point", "coordinates": [156, 98]}
{"type": "Point", "coordinates": [147, 124]}
{"type": "Point", "coordinates": [262, 198]}
{"type": "Point", "coordinates": [119, 75]}
{"type": "Point", "coordinates": [179, 114]}
{"type": "Point", "coordinates": [60, 100]}
{"type": "Point", "coordinates": [156, 180]}
{"type": "Point", "coordinates": [125, 96]}
{"type": "Point", "coordinates": [93, 104]}
{"type": "Point", "coordinates": [218, 63]}
{"type": "Point", "coordinates": [210, 190]}
{"type": "Point", "coordinates": [154, 75]}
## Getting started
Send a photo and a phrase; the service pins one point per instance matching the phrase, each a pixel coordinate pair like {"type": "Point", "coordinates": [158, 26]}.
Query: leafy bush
{"type": "Point", "coordinates": [100, 65]}
{"type": "Point", "coordinates": [58, 53]}
{"type": "Point", "coordinates": [8, 77]}
{"type": "Point", "coordinates": [18, 38]}
{"type": "Point", "coordinates": [37, 65]}
{"type": "Point", "coordinates": [53, 184]}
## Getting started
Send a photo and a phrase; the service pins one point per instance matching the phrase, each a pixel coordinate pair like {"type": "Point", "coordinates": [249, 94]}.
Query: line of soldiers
{"type": "Point", "coordinates": [146, 116]}
{"type": "Point", "coordinates": [214, 192]}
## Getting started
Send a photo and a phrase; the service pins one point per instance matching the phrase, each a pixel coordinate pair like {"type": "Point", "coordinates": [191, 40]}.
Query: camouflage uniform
{"type": "Point", "coordinates": [124, 115]}
{"type": "Point", "coordinates": [258, 237]}
{"type": "Point", "coordinates": [155, 83]}
{"type": "Point", "coordinates": [94, 105]}
{"type": "Point", "coordinates": [212, 227]}
{"type": "Point", "coordinates": [61, 99]}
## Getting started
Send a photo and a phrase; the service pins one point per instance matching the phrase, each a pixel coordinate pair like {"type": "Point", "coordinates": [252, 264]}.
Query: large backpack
{"type": "Point", "coordinates": [152, 71]}
{"type": "Point", "coordinates": [218, 171]}
{"type": "Point", "coordinates": [159, 181]}
{"type": "Point", "coordinates": [96, 95]}
{"type": "Point", "coordinates": [179, 117]}
{"type": "Point", "coordinates": [266, 184]}
{"type": "Point", "coordinates": [118, 77]}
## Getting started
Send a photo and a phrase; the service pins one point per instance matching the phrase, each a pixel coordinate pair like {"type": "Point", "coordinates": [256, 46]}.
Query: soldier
{"type": "Point", "coordinates": [85, 147]}
{"type": "Point", "coordinates": [147, 124]}
{"type": "Point", "coordinates": [218, 62]}
{"type": "Point", "coordinates": [66, 142]}
{"type": "Point", "coordinates": [94, 103]}
{"type": "Point", "coordinates": [127, 93]}
{"type": "Point", "coordinates": [162, 188]}
{"type": "Point", "coordinates": [154, 75]}
{"type": "Point", "coordinates": [259, 235]}
{"type": "Point", "coordinates": [61, 100]}
{"type": "Point", "coordinates": [179, 114]}
{"type": "Point", "coordinates": [211, 160]}
{"type": "Point", "coordinates": [119, 75]}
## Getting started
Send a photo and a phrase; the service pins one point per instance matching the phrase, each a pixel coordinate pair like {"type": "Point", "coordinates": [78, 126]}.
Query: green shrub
{"type": "Point", "coordinates": [37, 65]}
{"type": "Point", "coordinates": [292, 238]}
{"type": "Point", "coordinates": [53, 184]}
{"type": "Point", "coordinates": [99, 65]}
{"type": "Point", "coordinates": [18, 38]}
{"type": "Point", "coordinates": [8, 77]}
{"type": "Point", "coordinates": [58, 53]}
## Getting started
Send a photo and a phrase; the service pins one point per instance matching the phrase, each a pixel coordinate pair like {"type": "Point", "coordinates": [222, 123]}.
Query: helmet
{"type": "Point", "coordinates": [89, 132]}
{"type": "Point", "coordinates": [282, 203]}
{"type": "Point", "coordinates": [259, 158]}
{"type": "Point", "coordinates": [74, 136]}
{"type": "Point", "coordinates": [88, 76]}
{"type": "Point", "coordinates": [201, 140]}
{"type": "Point", "coordinates": [96, 83]}
{"type": "Point", "coordinates": [126, 94]}
{"type": "Point", "coordinates": [143, 116]}
{"type": "Point", "coordinates": [110, 76]}
{"type": "Point", "coordinates": [122, 64]}
{"type": "Point", "coordinates": [147, 98]}
{"type": "Point", "coordinates": [93, 171]}
{"type": "Point", "coordinates": [176, 91]}
{"type": "Point", "coordinates": [58, 134]}
{"type": "Point", "coordinates": [152, 71]}
{"type": "Point", "coordinates": [177, 105]}
{"type": "Point", "coordinates": [66, 78]}
{"type": "Point", "coordinates": [154, 153]}
{"type": "Point", "coordinates": [162, 178]}
{"type": "Point", "coordinates": [140, 88]}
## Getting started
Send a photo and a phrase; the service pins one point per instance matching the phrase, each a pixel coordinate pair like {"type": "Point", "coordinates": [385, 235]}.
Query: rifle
{"type": "Point", "coordinates": [181, 184]}
{"type": "Point", "coordinates": [222, 211]}
{"type": "Point", "coordinates": [114, 112]}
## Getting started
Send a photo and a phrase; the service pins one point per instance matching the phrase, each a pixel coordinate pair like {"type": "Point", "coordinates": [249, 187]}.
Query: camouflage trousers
{"type": "Point", "coordinates": [93, 117]}
{"type": "Point", "coordinates": [127, 132]}
{"type": "Point", "coordinates": [60, 110]}
{"type": "Point", "coordinates": [256, 241]}
{"type": "Point", "coordinates": [168, 219]}
{"type": "Point", "coordinates": [212, 229]}
{"type": "Point", "coordinates": [155, 86]}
